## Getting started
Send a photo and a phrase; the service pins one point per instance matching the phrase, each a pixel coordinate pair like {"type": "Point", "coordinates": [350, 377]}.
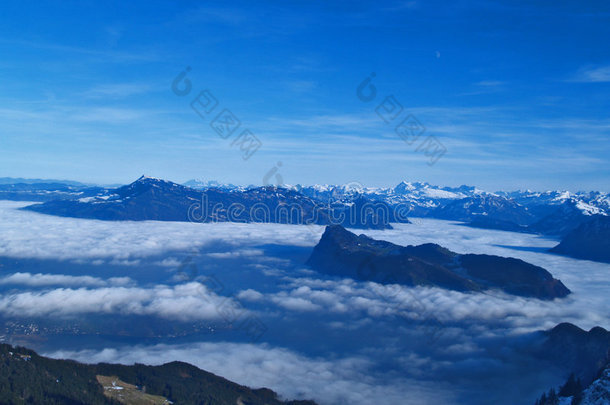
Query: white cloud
{"type": "Point", "coordinates": [47, 237]}
{"type": "Point", "coordinates": [295, 303]}
{"type": "Point", "coordinates": [40, 280]}
{"type": "Point", "coordinates": [250, 295]}
{"type": "Point", "coordinates": [32, 235]}
{"type": "Point", "coordinates": [236, 253]}
{"type": "Point", "coordinates": [170, 262]}
{"type": "Point", "coordinates": [184, 302]}
{"type": "Point", "coordinates": [348, 299]}
{"type": "Point", "coordinates": [593, 75]}
{"type": "Point", "coordinates": [348, 310]}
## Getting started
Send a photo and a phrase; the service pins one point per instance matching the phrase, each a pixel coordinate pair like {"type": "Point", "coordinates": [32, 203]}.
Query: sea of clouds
{"type": "Point", "coordinates": [338, 341]}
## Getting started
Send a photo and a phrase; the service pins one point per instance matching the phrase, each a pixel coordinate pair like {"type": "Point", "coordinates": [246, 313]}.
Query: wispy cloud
{"type": "Point", "coordinates": [490, 83]}
{"type": "Point", "coordinates": [43, 280]}
{"type": "Point", "coordinates": [223, 15]}
{"type": "Point", "coordinates": [108, 55]}
{"type": "Point", "coordinates": [185, 302]}
{"type": "Point", "coordinates": [589, 74]}
{"type": "Point", "coordinates": [402, 5]}
{"type": "Point", "coordinates": [118, 90]}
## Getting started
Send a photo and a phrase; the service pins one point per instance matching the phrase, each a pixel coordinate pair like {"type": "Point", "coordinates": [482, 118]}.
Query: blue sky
{"type": "Point", "coordinates": [517, 92]}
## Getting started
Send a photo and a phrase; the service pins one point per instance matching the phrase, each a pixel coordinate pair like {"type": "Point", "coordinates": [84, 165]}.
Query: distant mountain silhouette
{"type": "Point", "coordinates": [485, 206]}
{"type": "Point", "coordinates": [552, 213]}
{"type": "Point", "coordinates": [154, 199]}
{"type": "Point", "coordinates": [47, 191]}
{"type": "Point", "coordinates": [346, 254]}
{"type": "Point", "coordinates": [561, 220]}
{"type": "Point", "coordinates": [590, 240]}
{"type": "Point", "coordinates": [576, 350]}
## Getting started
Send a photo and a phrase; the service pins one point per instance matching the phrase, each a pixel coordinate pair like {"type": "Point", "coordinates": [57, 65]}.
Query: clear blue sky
{"type": "Point", "coordinates": [517, 91]}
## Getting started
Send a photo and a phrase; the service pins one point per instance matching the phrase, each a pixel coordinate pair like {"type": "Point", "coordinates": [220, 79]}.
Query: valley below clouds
{"type": "Point", "coordinates": [71, 288]}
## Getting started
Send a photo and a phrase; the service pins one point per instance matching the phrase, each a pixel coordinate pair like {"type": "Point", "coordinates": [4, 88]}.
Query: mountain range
{"type": "Point", "coordinates": [154, 199]}
{"type": "Point", "coordinates": [528, 211]}
{"type": "Point", "coordinates": [551, 213]}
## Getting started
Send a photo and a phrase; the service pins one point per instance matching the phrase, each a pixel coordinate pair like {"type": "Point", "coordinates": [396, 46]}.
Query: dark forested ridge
{"type": "Point", "coordinates": [27, 378]}
{"type": "Point", "coordinates": [343, 253]}
{"type": "Point", "coordinates": [589, 241]}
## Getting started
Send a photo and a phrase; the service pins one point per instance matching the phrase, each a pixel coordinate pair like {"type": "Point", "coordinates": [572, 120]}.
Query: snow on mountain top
{"type": "Point", "coordinates": [588, 209]}
{"type": "Point", "coordinates": [563, 195]}
{"type": "Point", "coordinates": [155, 181]}
{"type": "Point", "coordinates": [429, 191]}
{"type": "Point", "coordinates": [438, 193]}
{"type": "Point", "coordinates": [404, 186]}
{"type": "Point", "coordinates": [145, 177]}
{"type": "Point", "coordinates": [423, 193]}
{"type": "Point", "coordinates": [321, 187]}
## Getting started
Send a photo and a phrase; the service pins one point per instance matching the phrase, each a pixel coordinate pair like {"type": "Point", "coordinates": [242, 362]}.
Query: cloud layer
{"type": "Point", "coordinates": [41, 280]}
{"type": "Point", "coordinates": [185, 302]}
{"type": "Point", "coordinates": [31, 235]}
{"type": "Point", "coordinates": [335, 340]}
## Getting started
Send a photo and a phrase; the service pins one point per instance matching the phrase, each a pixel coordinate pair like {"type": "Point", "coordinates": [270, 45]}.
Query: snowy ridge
{"type": "Point", "coordinates": [598, 393]}
{"type": "Point", "coordinates": [422, 196]}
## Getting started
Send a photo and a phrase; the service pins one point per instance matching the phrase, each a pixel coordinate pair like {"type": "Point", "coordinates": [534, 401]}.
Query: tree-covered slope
{"type": "Point", "coordinates": [27, 378]}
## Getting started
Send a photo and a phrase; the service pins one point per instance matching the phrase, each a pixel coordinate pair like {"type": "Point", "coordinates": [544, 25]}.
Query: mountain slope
{"type": "Point", "coordinates": [598, 393]}
{"type": "Point", "coordinates": [345, 254]}
{"type": "Point", "coordinates": [484, 207]}
{"type": "Point", "coordinates": [561, 220]}
{"type": "Point", "coordinates": [47, 191]}
{"type": "Point", "coordinates": [26, 377]}
{"type": "Point", "coordinates": [590, 241]}
{"type": "Point", "coordinates": [572, 392]}
{"type": "Point", "coordinates": [585, 356]}
{"type": "Point", "coordinates": [582, 352]}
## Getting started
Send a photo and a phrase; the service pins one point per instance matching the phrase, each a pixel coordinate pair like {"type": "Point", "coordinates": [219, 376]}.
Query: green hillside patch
{"type": "Point", "coordinates": [127, 393]}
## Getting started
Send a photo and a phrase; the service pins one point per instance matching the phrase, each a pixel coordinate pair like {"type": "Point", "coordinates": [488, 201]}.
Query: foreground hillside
{"type": "Point", "coordinates": [587, 355]}
{"type": "Point", "coordinates": [26, 377]}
